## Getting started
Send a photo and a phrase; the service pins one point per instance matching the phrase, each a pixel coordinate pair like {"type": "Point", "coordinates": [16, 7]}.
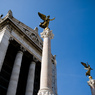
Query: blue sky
{"type": "Point", "coordinates": [74, 40]}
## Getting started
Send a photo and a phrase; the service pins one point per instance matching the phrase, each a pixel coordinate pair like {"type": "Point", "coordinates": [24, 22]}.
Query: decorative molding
{"type": "Point", "coordinates": [91, 83]}
{"type": "Point", "coordinates": [45, 91]}
{"type": "Point", "coordinates": [10, 14]}
{"type": "Point", "coordinates": [8, 27]}
{"type": "Point", "coordinates": [47, 33]}
{"type": "Point", "coordinates": [27, 45]}
{"type": "Point", "coordinates": [35, 59]}
{"type": "Point", "coordinates": [34, 37]}
{"type": "Point", "coordinates": [11, 39]}
{"type": "Point", "coordinates": [1, 27]}
{"type": "Point", "coordinates": [22, 49]}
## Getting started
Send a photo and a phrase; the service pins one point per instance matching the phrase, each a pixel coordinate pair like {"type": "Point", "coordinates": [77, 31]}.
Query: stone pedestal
{"type": "Point", "coordinates": [46, 67]}
{"type": "Point", "coordinates": [91, 83]}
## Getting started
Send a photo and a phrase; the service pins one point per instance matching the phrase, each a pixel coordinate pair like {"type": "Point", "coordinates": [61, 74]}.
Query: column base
{"type": "Point", "coordinates": [45, 91]}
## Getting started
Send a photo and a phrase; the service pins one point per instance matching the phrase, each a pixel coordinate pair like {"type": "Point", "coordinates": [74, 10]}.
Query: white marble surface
{"type": "Point", "coordinates": [30, 80]}
{"type": "Point", "coordinates": [4, 42]}
{"type": "Point", "coordinates": [91, 83]}
{"type": "Point", "coordinates": [46, 68]}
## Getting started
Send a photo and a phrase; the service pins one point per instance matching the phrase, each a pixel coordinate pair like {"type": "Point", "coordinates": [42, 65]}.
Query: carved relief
{"type": "Point", "coordinates": [8, 27]}
{"type": "Point", "coordinates": [33, 36]}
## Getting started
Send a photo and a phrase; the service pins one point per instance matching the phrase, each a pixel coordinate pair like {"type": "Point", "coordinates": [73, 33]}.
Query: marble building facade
{"type": "Point", "coordinates": [20, 58]}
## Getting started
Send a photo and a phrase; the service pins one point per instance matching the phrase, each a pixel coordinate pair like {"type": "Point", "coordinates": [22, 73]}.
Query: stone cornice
{"type": "Point", "coordinates": [29, 34]}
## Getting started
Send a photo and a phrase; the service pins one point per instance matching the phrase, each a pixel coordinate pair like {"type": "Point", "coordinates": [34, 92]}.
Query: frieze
{"type": "Point", "coordinates": [33, 36]}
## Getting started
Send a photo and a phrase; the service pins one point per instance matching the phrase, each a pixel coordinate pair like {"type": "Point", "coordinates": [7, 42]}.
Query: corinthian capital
{"type": "Point", "coordinates": [22, 49]}
{"type": "Point", "coordinates": [91, 83]}
{"type": "Point", "coordinates": [47, 33]}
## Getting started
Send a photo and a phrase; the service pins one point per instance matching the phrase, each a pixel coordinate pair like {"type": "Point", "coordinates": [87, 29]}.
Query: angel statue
{"type": "Point", "coordinates": [87, 67]}
{"type": "Point", "coordinates": [46, 20]}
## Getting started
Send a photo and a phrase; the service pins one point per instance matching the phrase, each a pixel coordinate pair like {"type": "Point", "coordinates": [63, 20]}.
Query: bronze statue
{"type": "Point", "coordinates": [87, 67]}
{"type": "Point", "coordinates": [46, 20]}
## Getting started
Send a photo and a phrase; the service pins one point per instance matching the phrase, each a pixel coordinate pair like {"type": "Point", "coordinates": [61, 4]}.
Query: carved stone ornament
{"type": "Point", "coordinates": [91, 83]}
{"type": "Point", "coordinates": [8, 27]}
{"type": "Point", "coordinates": [22, 49]}
{"type": "Point", "coordinates": [35, 59]}
{"type": "Point", "coordinates": [47, 33]}
{"type": "Point", "coordinates": [33, 36]}
{"type": "Point", "coordinates": [45, 92]}
{"type": "Point", "coordinates": [10, 14]}
{"type": "Point", "coordinates": [11, 39]}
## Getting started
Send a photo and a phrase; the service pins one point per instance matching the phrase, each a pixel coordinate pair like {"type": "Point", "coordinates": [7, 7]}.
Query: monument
{"type": "Point", "coordinates": [20, 59]}
{"type": "Point", "coordinates": [91, 81]}
{"type": "Point", "coordinates": [46, 69]}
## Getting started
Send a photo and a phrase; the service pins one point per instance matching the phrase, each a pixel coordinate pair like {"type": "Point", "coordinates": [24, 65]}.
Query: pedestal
{"type": "Point", "coordinates": [91, 83]}
{"type": "Point", "coordinates": [46, 66]}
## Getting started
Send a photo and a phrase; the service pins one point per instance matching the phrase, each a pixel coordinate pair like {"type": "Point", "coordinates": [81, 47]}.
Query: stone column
{"type": "Point", "coordinates": [4, 42]}
{"type": "Point", "coordinates": [91, 83]}
{"type": "Point", "coordinates": [30, 80]}
{"type": "Point", "coordinates": [46, 66]}
{"type": "Point", "coordinates": [15, 73]}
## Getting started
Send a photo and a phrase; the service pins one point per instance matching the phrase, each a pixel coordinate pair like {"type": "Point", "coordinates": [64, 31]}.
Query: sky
{"type": "Point", "coordinates": [74, 37]}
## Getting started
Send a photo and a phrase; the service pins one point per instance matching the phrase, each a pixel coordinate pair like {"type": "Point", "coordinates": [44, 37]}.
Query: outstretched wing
{"type": "Point", "coordinates": [52, 19]}
{"type": "Point", "coordinates": [42, 16]}
{"type": "Point", "coordinates": [84, 64]}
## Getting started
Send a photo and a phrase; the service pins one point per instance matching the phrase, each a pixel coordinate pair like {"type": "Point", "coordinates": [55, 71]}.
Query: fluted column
{"type": "Point", "coordinates": [15, 73]}
{"type": "Point", "coordinates": [30, 80]}
{"type": "Point", "coordinates": [4, 42]}
{"type": "Point", "coordinates": [91, 83]}
{"type": "Point", "coordinates": [46, 67]}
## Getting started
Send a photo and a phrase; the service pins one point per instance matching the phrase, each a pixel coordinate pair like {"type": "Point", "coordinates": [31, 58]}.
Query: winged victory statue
{"type": "Point", "coordinates": [88, 68]}
{"type": "Point", "coordinates": [46, 20]}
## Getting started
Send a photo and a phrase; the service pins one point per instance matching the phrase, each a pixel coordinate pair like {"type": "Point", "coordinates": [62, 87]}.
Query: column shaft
{"type": "Point", "coordinates": [4, 42]}
{"type": "Point", "coordinates": [15, 74]}
{"type": "Point", "coordinates": [46, 69]}
{"type": "Point", "coordinates": [30, 80]}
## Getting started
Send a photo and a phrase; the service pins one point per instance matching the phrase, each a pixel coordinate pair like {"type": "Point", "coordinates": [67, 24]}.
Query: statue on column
{"type": "Point", "coordinates": [46, 20]}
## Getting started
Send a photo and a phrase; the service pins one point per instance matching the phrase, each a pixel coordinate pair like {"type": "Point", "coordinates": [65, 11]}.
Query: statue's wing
{"type": "Point", "coordinates": [84, 64]}
{"type": "Point", "coordinates": [52, 19]}
{"type": "Point", "coordinates": [42, 16]}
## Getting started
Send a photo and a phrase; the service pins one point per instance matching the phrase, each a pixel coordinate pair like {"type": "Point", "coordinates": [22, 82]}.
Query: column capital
{"type": "Point", "coordinates": [35, 59]}
{"type": "Point", "coordinates": [47, 33]}
{"type": "Point", "coordinates": [45, 91]}
{"type": "Point", "coordinates": [11, 39]}
{"type": "Point", "coordinates": [91, 83]}
{"type": "Point", "coordinates": [22, 49]}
